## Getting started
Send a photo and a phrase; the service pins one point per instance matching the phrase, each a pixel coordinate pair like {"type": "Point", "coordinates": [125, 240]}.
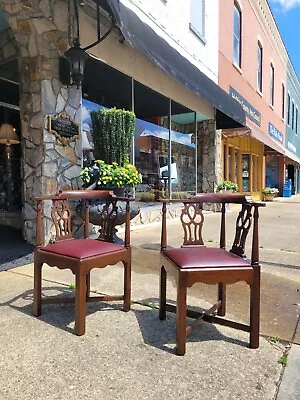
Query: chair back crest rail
{"type": "Point", "coordinates": [61, 214]}
{"type": "Point", "coordinates": [192, 220]}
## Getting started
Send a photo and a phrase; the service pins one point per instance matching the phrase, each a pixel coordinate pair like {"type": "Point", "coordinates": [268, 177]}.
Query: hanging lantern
{"type": "Point", "coordinates": [77, 58]}
{"type": "Point", "coordinates": [72, 64]}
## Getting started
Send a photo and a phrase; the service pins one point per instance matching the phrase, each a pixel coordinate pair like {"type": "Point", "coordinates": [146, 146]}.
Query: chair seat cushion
{"type": "Point", "coordinates": [82, 248]}
{"type": "Point", "coordinates": [201, 257]}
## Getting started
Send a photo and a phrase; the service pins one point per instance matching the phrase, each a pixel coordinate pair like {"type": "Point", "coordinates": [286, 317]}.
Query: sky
{"type": "Point", "coordinates": [287, 15]}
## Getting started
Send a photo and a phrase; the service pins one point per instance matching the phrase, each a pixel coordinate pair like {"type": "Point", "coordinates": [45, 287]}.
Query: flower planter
{"type": "Point", "coordinates": [227, 205]}
{"type": "Point", "coordinates": [269, 197]}
{"type": "Point", "coordinates": [96, 210]}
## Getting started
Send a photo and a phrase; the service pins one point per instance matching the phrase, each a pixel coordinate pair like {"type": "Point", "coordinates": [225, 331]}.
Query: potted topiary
{"type": "Point", "coordinates": [269, 193]}
{"type": "Point", "coordinates": [112, 133]}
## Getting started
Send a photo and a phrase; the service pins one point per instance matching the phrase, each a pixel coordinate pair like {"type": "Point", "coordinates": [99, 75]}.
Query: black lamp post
{"type": "Point", "coordinates": [77, 58]}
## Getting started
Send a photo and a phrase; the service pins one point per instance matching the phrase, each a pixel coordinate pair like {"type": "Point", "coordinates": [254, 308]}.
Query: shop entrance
{"type": "Point", "coordinates": [291, 175]}
{"type": "Point", "coordinates": [12, 245]}
{"type": "Point", "coordinates": [10, 160]}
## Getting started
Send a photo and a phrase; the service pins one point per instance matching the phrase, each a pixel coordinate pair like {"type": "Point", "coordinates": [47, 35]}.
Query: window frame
{"type": "Point", "coordinates": [259, 67]}
{"type": "Point", "coordinates": [272, 85]}
{"type": "Point", "coordinates": [193, 27]}
{"type": "Point", "coordinates": [293, 115]}
{"type": "Point", "coordinates": [237, 8]}
{"type": "Point", "coordinates": [283, 101]}
{"type": "Point", "coordinates": [296, 121]}
{"type": "Point", "coordinates": [288, 111]}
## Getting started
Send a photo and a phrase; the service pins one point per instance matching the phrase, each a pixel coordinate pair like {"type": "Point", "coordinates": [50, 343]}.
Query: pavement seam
{"type": "Point", "coordinates": [287, 352]}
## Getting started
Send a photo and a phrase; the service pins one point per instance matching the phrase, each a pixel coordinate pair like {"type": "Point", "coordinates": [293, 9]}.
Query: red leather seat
{"type": "Point", "coordinates": [201, 257]}
{"type": "Point", "coordinates": [82, 248]}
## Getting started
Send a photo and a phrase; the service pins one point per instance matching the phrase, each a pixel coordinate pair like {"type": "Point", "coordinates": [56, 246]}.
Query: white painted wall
{"type": "Point", "coordinates": [170, 19]}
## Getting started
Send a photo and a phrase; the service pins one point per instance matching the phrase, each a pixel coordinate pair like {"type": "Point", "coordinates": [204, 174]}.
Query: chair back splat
{"type": "Point", "coordinates": [61, 217]}
{"type": "Point", "coordinates": [192, 222]}
{"type": "Point", "coordinates": [81, 255]}
{"type": "Point", "coordinates": [243, 225]}
{"type": "Point", "coordinates": [193, 262]}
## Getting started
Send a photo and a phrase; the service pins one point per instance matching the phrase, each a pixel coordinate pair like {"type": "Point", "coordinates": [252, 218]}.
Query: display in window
{"type": "Point", "coordinates": [246, 172]}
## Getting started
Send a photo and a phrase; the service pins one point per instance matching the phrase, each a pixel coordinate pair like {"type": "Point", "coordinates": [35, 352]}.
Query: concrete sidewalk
{"type": "Point", "coordinates": [122, 355]}
{"type": "Point", "coordinates": [131, 355]}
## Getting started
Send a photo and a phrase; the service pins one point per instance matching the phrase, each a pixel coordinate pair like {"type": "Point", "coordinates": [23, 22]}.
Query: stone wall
{"type": "Point", "coordinates": [40, 31]}
{"type": "Point", "coordinates": [209, 156]}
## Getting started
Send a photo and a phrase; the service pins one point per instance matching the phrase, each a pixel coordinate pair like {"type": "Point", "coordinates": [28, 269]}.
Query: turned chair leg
{"type": "Point", "coordinates": [222, 298]}
{"type": "Point", "coordinates": [127, 286]}
{"type": "Point", "coordinates": [37, 292]}
{"type": "Point", "coordinates": [255, 308]}
{"type": "Point", "coordinates": [181, 316]}
{"type": "Point", "coordinates": [80, 303]}
{"type": "Point", "coordinates": [162, 293]}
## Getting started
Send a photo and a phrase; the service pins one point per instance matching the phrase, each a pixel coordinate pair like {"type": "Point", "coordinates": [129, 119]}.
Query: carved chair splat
{"type": "Point", "coordinates": [194, 262]}
{"type": "Point", "coordinates": [81, 255]}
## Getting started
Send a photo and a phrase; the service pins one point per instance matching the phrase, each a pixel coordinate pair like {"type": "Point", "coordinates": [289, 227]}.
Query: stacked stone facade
{"type": "Point", "coordinates": [39, 37]}
{"type": "Point", "coordinates": [209, 156]}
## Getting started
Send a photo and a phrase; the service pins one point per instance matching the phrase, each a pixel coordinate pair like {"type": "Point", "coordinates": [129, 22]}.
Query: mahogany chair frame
{"type": "Point", "coordinates": [192, 220]}
{"type": "Point", "coordinates": [82, 266]}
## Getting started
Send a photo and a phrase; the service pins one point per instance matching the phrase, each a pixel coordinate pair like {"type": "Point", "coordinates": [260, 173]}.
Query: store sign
{"type": "Point", "coordinates": [250, 111]}
{"type": "Point", "coordinates": [275, 133]}
{"type": "Point", "coordinates": [291, 147]}
{"type": "Point", "coordinates": [63, 127]}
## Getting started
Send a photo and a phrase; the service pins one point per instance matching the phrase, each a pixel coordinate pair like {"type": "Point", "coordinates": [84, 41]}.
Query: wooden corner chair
{"type": "Point", "coordinates": [81, 255]}
{"type": "Point", "coordinates": [194, 262]}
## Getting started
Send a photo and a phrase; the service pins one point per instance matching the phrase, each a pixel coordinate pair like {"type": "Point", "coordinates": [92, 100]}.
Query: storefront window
{"type": "Point", "coordinates": [164, 150]}
{"type": "Point", "coordinates": [246, 172]}
{"type": "Point", "coordinates": [236, 167]}
{"type": "Point", "coordinates": [254, 173]}
{"type": "Point", "coordinates": [272, 171]}
{"type": "Point", "coordinates": [151, 141]}
{"type": "Point", "coordinates": [225, 172]}
{"type": "Point", "coordinates": [230, 163]}
{"type": "Point", "coordinates": [183, 150]}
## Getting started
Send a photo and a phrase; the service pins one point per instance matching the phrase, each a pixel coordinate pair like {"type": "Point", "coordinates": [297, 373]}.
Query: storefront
{"type": "Point", "coordinates": [254, 157]}
{"type": "Point", "coordinates": [179, 110]}
{"type": "Point", "coordinates": [243, 160]}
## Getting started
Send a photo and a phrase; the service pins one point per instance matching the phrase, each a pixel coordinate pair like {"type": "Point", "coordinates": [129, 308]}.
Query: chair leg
{"type": "Point", "coordinates": [181, 316]}
{"type": "Point", "coordinates": [127, 286]}
{"type": "Point", "coordinates": [80, 303]}
{"type": "Point", "coordinates": [222, 298]}
{"type": "Point", "coordinates": [37, 292]}
{"type": "Point", "coordinates": [255, 309]}
{"type": "Point", "coordinates": [88, 284]}
{"type": "Point", "coordinates": [162, 293]}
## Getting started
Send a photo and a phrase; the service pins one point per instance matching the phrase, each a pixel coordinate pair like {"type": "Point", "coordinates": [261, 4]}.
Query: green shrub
{"type": "Point", "coordinates": [147, 197]}
{"type": "Point", "coordinates": [180, 195]}
{"type": "Point", "coordinates": [269, 190]}
{"type": "Point", "coordinates": [111, 175]}
{"type": "Point", "coordinates": [227, 185]}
